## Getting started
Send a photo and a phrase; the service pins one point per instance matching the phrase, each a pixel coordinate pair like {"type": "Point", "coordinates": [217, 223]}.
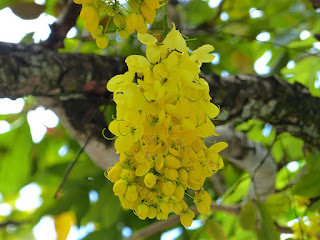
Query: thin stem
{"type": "Point", "coordinates": [165, 22]}
{"type": "Point", "coordinates": [66, 175]}
{"type": "Point", "coordinates": [71, 167]}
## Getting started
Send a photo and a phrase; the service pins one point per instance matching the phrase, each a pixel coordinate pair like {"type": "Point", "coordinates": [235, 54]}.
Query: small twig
{"type": "Point", "coordinates": [66, 175]}
{"type": "Point", "coordinates": [165, 22]}
{"type": "Point", "coordinates": [216, 17]}
{"type": "Point", "coordinates": [263, 160]}
{"type": "Point", "coordinates": [258, 167]}
{"type": "Point", "coordinates": [77, 157]}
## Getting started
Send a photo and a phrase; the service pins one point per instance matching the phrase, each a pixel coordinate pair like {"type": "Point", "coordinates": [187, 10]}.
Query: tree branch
{"type": "Point", "coordinates": [34, 70]}
{"type": "Point", "coordinates": [315, 3]}
{"type": "Point", "coordinates": [61, 27]}
{"type": "Point", "coordinates": [288, 107]}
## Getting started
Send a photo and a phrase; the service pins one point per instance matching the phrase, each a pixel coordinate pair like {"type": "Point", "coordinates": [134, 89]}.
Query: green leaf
{"type": "Point", "coordinates": [238, 190]}
{"type": "Point", "coordinates": [197, 12]}
{"type": "Point", "coordinates": [308, 184]}
{"type": "Point", "coordinates": [107, 209]}
{"type": "Point", "coordinates": [277, 204]}
{"type": "Point", "coordinates": [305, 72]}
{"type": "Point", "coordinates": [104, 234]}
{"type": "Point", "coordinates": [28, 38]}
{"type": "Point", "coordinates": [315, 206]}
{"type": "Point", "coordinates": [215, 231]}
{"type": "Point", "coordinates": [267, 230]}
{"type": "Point", "coordinates": [284, 176]}
{"type": "Point", "coordinates": [15, 159]}
{"type": "Point", "coordinates": [248, 216]}
{"type": "Point", "coordinates": [289, 147]}
{"type": "Point", "coordinates": [232, 228]}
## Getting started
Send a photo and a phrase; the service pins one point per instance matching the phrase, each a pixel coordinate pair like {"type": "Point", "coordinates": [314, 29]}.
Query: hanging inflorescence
{"type": "Point", "coordinates": [163, 114]}
{"type": "Point", "coordinates": [130, 17]}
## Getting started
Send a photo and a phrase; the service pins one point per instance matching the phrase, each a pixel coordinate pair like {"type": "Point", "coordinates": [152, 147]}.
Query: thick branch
{"type": "Point", "coordinates": [33, 70]}
{"type": "Point", "coordinates": [288, 107]}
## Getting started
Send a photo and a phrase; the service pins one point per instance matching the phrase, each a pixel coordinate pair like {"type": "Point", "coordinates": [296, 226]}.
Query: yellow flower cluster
{"type": "Point", "coordinates": [129, 18]}
{"type": "Point", "coordinates": [309, 228]}
{"type": "Point", "coordinates": [163, 114]}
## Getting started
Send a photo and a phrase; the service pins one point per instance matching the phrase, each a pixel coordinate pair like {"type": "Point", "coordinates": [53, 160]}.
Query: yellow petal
{"type": "Point", "coordinates": [218, 147]}
{"type": "Point", "coordinates": [175, 41]}
{"type": "Point", "coordinates": [147, 39]}
{"type": "Point", "coordinates": [137, 63]}
{"type": "Point", "coordinates": [63, 223]}
{"type": "Point", "coordinates": [202, 53]}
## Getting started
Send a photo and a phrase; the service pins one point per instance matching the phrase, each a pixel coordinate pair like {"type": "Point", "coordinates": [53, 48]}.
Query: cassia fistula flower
{"type": "Point", "coordinates": [163, 114]}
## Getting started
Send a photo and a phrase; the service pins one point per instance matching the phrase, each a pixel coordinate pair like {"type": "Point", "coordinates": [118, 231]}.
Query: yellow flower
{"type": "Point", "coordinates": [172, 162]}
{"type": "Point", "coordinates": [177, 208]}
{"type": "Point", "coordinates": [142, 211]}
{"type": "Point", "coordinates": [163, 114]}
{"type": "Point", "coordinates": [167, 187]}
{"type": "Point", "coordinates": [201, 54]}
{"type": "Point", "coordinates": [135, 22]}
{"type": "Point", "coordinates": [127, 19]}
{"type": "Point", "coordinates": [137, 63]}
{"type": "Point", "coordinates": [179, 193]}
{"type": "Point", "coordinates": [186, 218]}
{"type": "Point", "coordinates": [148, 13]}
{"type": "Point", "coordinates": [150, 180]}
{"type": "Point", "coordinates": [171, 174]}
{"type": "Point", "coordinates": [152, 212]}
{"type": "Point", "coordinates": [120, 187]}
{"type": "Point", "coordinates": [203, 207]}
{"type": "Point", "coordinates": [102, 41]}
{"type": "Point", "coordinates": [131, 193]}
{"type": "Point", "coordinates": [119, 20]}
{"type": "Point", "coordinates": [114, 173]}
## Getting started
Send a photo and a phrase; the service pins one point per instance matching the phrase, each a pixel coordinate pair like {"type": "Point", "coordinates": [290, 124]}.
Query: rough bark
{"type": "Point", "coordinates": [34, 70]}
{"type": "Point", "coordinates": [288, 107]}
{"type": "Point", "coordinates": [315, 3]}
